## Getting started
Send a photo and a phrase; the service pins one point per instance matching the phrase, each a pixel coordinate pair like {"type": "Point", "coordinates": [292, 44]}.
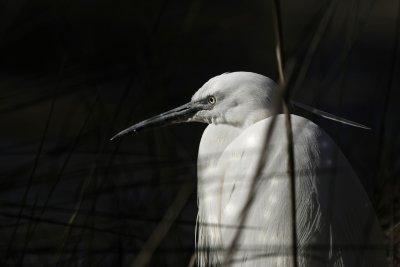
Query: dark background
{"type": "Point", "coordinates": [74, 73]}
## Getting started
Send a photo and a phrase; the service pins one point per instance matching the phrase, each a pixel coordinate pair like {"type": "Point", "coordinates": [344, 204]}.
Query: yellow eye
{"type": "Point", "coordinates": [212, 100]}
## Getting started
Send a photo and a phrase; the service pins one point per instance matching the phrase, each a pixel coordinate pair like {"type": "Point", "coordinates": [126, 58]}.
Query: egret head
{"type": "Point", "coordinates": [238, 99]}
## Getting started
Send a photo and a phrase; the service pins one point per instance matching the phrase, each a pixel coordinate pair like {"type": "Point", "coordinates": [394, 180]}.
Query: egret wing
{"type": "Point", "coordinates": [333, 212]}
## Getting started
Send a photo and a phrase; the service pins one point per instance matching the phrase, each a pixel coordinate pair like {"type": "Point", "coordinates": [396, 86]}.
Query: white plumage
{"type": "Point", "coordinates": [336, 224]}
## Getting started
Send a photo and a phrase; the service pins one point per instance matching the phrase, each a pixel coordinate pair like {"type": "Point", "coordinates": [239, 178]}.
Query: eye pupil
{"type": "Point", "coordinates": [211, 100]}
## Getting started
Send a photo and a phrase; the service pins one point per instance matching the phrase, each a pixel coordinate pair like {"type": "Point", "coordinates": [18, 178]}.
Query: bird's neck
{"type": "Point", "coordinates": [214, 141]}
{"type": "Point", "coordinates": [256, 116]}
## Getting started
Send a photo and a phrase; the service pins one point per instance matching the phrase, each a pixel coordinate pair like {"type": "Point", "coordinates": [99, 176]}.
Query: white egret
{"type": "Point", "coordinates": [336, 224]}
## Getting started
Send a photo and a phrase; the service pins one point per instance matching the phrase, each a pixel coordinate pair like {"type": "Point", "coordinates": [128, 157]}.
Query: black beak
{"type": "Point", "coordinates": [180, 114]}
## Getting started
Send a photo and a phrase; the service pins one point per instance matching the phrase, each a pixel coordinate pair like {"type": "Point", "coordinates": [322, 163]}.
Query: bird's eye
{"type": "Point", "coordinates": [212, 100]}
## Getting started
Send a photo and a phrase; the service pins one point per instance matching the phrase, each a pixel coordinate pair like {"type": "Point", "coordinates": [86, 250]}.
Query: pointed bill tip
{"type": "Point", "coordinates": [114, 137]}
{"type": "Point", "coordinates": [122, 133]}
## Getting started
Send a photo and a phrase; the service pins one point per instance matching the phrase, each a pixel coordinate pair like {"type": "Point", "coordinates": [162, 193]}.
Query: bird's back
{"type": "Point", "coordinates": [336, 224]}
